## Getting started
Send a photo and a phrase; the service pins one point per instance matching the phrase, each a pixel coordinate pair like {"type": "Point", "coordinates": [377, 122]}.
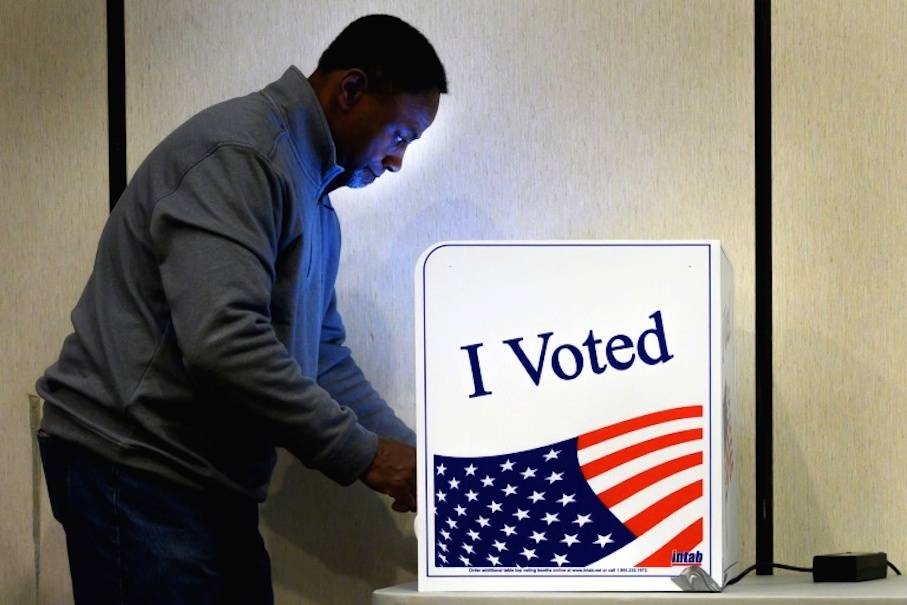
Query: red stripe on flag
{"type": "Point", "coordinates": [627, 488]}
{"type": "Point", "coordinates": [606, 463]}
{"type": "Point", "coordinates": [634, 424]}
{"type": "Point", "coordinates": [664, 508]}
{"type": "Point", "coordinates": [685, 541]}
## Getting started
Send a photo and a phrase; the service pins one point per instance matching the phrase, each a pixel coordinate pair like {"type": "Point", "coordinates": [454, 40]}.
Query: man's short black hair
{"type": "Point", "coordinates": [394, 55]}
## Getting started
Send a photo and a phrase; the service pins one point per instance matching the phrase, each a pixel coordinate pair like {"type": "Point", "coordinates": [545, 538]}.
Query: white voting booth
{"type": "Point", "coordinates": [574, 404]}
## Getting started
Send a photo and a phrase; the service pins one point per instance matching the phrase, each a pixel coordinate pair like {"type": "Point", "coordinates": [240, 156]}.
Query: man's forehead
{"type": "Point", "coordinates": [417, 111]}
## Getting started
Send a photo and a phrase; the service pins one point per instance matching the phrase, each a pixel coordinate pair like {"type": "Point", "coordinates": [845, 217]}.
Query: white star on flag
{"type": "Point", "coordinates": [567, 499]}
{"type": "Point", "coordinates": [582, 520]}
{"type": "Point", "coordinates": [603, 540]}
{"type": "Point", "coordinates": [570, 539]}
{"type": "Point", "coordinates": [560, 560]}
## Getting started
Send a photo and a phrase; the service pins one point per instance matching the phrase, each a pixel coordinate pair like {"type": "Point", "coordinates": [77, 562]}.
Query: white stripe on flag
{"type": "Point", "coordinates": [610, 478]}
{"type": "Point", "coordinates": [642, 500]}
{"type": "Point", "coordinates": [609, 446]}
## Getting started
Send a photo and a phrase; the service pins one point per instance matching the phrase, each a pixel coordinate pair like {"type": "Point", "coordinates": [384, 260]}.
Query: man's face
{"type": "Point", "coordinates": [376, 132]}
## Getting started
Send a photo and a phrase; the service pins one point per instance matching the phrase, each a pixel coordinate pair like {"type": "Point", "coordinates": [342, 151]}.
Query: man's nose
{"type": "Point", "coordinates": [394, 162]}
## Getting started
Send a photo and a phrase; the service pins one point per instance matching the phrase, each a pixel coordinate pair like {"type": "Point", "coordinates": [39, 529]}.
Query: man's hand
{"type": "Point", "coordinates": [393, 472]}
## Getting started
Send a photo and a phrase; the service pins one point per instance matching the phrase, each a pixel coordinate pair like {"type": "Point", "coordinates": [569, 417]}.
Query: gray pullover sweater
{"type": "Point", "coordinates": [208, 332]}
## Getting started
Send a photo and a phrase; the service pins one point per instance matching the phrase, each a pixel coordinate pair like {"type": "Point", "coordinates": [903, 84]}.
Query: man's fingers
{"type": "Point", "coordinates": [404, 497]}
{"type": "Point", "coordinates": [404, 506]}
{"type": "Point", "coordinates": [393, 472]}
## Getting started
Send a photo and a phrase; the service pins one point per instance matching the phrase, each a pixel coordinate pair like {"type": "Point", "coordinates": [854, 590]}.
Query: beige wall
{"type": "Point", "coordinates": [840, 261]}
{"type": "Point", "coordinates": [581, 119]}
{"type": "Point", "coordinates": [53, 179]}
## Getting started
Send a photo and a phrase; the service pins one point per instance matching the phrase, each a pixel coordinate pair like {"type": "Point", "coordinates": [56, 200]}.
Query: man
{"type": "Point", "coordinates": [208, 332]}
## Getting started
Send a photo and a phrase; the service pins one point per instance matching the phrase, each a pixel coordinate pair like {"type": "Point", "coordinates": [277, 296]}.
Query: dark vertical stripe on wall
{"type": "Point", "coordinates": [763, 261]}
{"type": "Point", "coordinates": [116, 99]}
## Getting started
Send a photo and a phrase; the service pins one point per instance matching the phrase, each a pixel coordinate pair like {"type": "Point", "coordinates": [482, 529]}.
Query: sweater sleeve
{"type": "Point", "coordinates": [341, 376]}
{"type": "Point", "coordinates": [215, 239]}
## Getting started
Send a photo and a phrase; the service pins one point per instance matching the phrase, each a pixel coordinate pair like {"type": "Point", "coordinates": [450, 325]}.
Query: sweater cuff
{"type": "Point", "coordinates": [353, 458]}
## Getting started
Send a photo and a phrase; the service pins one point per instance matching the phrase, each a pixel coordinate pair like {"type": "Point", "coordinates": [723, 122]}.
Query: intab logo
{"type": "Point", "coordinates": [686, 557]}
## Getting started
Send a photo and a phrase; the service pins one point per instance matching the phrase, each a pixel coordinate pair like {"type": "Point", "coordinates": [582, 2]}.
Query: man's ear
{"type": "Point", "coordinates": [353, 86]}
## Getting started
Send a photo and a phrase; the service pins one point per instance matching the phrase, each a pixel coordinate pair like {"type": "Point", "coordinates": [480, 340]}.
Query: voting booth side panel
{"type": "Point", "coordinates": [726, 405]}
{"type": "Point", "coordinates": [572, 401]}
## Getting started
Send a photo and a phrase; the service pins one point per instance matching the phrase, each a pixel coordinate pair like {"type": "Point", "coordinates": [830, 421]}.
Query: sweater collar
{"type": "Point", "coordinates": [307, 125]}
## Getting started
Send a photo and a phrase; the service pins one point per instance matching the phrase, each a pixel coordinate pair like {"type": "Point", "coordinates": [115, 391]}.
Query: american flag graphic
{"type": "Point", "coordinates": [634, 486]}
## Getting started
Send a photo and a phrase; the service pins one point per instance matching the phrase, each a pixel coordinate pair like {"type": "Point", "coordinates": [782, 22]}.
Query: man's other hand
{"type": "Point", "coordinates": [393, 472]}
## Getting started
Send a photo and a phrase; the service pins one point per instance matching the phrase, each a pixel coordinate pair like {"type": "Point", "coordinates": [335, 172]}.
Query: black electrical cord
{"type": "Point", "coordinates": [776, 565]}
{"type": "Point", "coordinates": [789, 568]}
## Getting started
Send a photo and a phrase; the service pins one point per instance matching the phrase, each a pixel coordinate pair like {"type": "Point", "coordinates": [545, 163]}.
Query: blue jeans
{"type": "Point", "coordinates": [134, 538]}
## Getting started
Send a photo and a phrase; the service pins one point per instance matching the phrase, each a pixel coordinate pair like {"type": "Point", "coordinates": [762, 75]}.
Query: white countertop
{"type": "Point", "coordinates": [777, 589]}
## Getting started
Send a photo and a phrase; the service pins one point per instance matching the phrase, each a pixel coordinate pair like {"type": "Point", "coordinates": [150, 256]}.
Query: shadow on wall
{"type": "Point", "coordinates": [331, 544]}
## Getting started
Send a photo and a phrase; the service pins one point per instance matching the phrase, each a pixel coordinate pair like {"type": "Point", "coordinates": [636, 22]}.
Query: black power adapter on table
{"type": "Point", "coordinates": [838, 567]}
{"type": "Point", "coordinates": [850, 567]}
